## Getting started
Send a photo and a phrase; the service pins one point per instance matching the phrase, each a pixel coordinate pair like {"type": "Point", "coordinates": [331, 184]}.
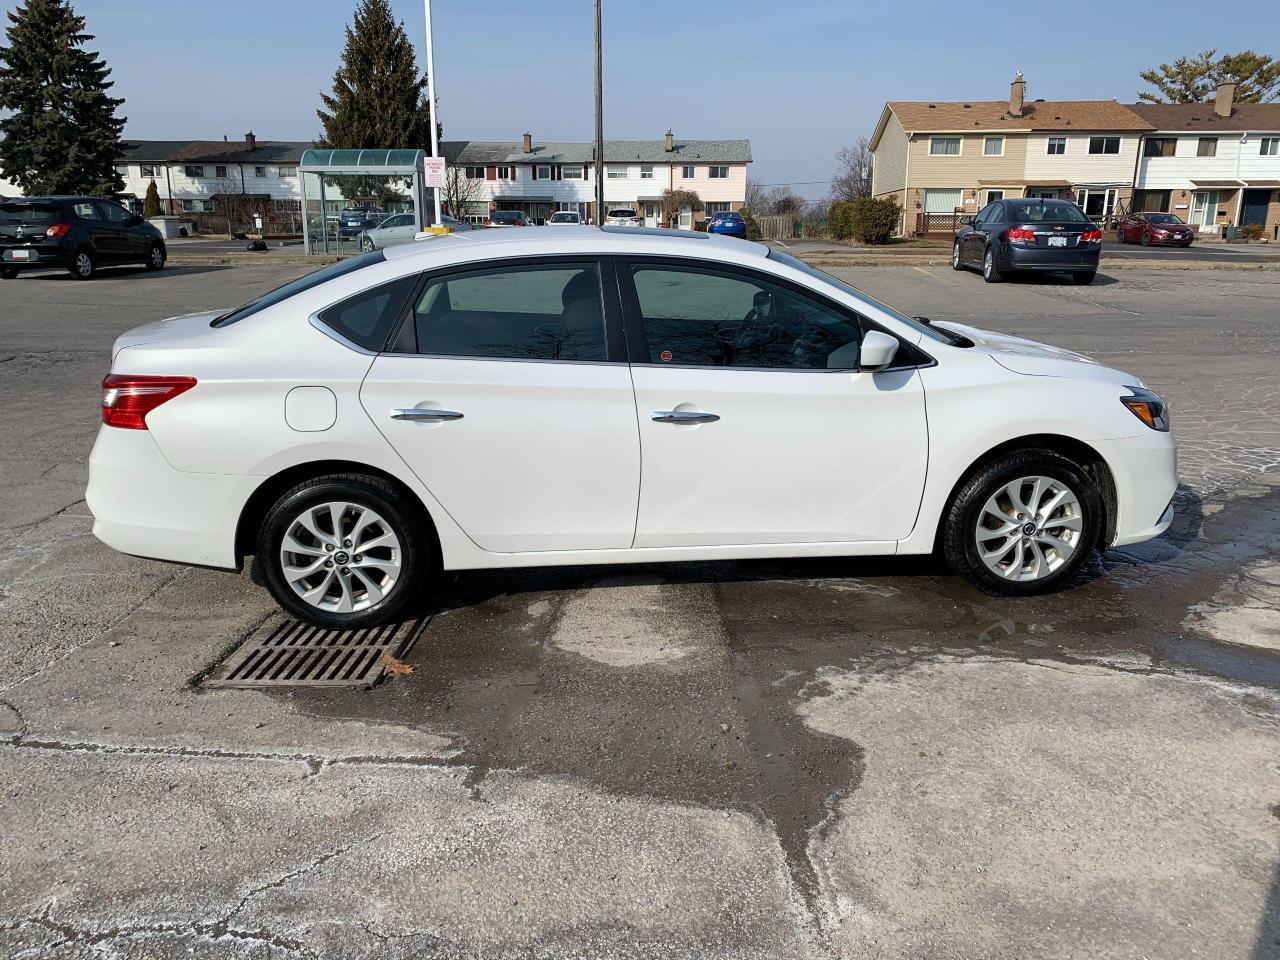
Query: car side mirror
{"type": "Point", "coordinates": [877, 350]}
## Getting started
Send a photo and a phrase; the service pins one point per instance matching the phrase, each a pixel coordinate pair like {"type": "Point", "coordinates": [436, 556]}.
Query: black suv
{"type": "Point", "coordinates": [78, 233]}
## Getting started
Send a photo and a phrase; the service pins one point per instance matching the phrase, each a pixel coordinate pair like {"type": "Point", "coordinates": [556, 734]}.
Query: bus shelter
{"type": "Point", "coordinates": [376, 183]}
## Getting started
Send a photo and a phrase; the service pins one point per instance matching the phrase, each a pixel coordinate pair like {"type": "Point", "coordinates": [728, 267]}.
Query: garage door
{"type": "Point", "coordinates": [941, 201]}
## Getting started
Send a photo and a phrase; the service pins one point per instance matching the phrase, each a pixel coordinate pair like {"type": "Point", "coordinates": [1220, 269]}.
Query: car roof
{"type": "Point", "coordinates": [652, 241]}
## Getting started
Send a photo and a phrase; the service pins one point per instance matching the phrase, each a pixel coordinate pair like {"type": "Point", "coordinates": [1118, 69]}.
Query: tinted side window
{"type": "Point", "coordinates": [367, 318]}
{"type": "Point", "coordinates": [549, 311]}
{"type": "Point", "coordinates": [86, 210]}
{"type": "Point", "coordinates": [114, 213]}
{"type": "Point", "coordinates": [988, 214]}
{"type": "Point", "coordinates": [702, 317]}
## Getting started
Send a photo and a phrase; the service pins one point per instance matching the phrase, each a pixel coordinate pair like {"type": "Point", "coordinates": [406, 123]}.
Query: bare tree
{"type": "Point", "coordinates": [459, 192]}
{"type": "Point", "coordinates": [782, 201]}
{"type": "Point", "coordinates": [853, 171]}
{"type": "Point", "coordinates": [755, 198]}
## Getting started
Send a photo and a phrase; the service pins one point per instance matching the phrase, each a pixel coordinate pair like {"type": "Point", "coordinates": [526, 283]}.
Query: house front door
{"type": "Point", "coordinates": [650, 214]}
{"type": "Point", "coordinates": [1254, 207]}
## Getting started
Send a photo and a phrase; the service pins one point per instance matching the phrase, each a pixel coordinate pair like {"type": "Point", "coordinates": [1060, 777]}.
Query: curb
{"type": "Point", "coordinates": [245, 260]}
{"type": "Point", "coordinates": [1117, 264]}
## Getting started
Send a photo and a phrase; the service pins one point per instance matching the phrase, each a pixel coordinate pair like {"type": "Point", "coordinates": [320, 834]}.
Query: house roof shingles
{"type": "Point", "coordinates": [212, 151]}
{"type": "Point", "coordinates": [1201, 116]}
{"type": "Point", "coordinates": [978, 115]}
{"type": "Point", "coordinates": [488, 152]}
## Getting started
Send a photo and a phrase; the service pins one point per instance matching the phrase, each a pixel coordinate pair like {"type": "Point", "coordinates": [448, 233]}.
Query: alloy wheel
{"type": "Point", "coordinates": [157, 258]}
{"type": "Point", "coordinates": [84, 264]}
{"type": "Point", "coordinates": [988, 264]}
{"type": "Point", "coordinates": [955, 256]}
{"type": "Point", "coordinates": [1029, 528]}
{"type": "Point", "coordinates": [341, 557]}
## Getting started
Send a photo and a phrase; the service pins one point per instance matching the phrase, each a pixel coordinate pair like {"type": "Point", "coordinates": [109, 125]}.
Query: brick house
{"type": "Point", "coordinates": [943, 160]}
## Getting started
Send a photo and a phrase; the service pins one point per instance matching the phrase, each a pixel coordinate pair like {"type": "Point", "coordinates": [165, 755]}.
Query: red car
{"type": "Point", "coordinates": [1158, 228]}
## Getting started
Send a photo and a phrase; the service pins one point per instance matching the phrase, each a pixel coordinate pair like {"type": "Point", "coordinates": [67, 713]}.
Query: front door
{"type": "Point", "coordinates": [1253, 207]}
{"type": "Point", "coordinates": [755, 425]}
{"type": "Point", "coordinates": [1204, 210]}
{"type": "Point", "coordinates": [109, 245]}
{"type": "Point", "coordinates": [1097, 205]}
{"type": "Point", "coordinates": [650, 214]}
{"type": "Point", "coordinates": [501, 399]}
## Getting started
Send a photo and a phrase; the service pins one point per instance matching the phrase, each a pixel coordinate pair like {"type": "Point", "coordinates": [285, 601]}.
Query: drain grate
{"type": "Point", "coordinates": [293, 654]}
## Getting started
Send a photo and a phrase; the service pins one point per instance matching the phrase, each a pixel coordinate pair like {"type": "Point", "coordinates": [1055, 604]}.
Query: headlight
{"type": "Point", "coordinates": [1148, 408]}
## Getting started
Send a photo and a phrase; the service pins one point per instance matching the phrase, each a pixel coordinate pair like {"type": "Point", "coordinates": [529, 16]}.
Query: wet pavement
{"type": "Point", "coordinates": [825, 758]}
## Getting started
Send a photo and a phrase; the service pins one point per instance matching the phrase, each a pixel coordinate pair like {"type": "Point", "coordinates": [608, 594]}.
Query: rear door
{"type": "Point", "coordinates": [504, 399]}
{"type": "Point", "coordinates": [756, 426]}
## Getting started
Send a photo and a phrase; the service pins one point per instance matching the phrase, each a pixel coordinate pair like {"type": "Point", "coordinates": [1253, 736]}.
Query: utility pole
{"type": "Point", "coordinates": [599, 127]}
{"type": "Point", "coordinates": [431, 97]}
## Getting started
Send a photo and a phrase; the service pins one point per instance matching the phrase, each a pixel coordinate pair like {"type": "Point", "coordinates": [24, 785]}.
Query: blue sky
{"type": "Point", "coordinates": [799, 79]}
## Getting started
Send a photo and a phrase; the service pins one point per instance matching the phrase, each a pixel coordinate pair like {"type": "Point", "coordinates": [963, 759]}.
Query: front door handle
{"type": "Point", "coordinates": [425, 415]}
{"type": "Point", "coordinates": [684, 416]}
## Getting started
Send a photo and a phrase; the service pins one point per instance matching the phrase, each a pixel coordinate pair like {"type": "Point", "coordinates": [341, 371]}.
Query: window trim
{"type": "Point", "coordinates": [1200, 145]}
{"type": "Point", "coordinates": [711, 171]}
{"type": "Point", "coordinates": [1049, 143]}
{"type": "Point", "coordinates": [1265, 142]}
{"type": "Point", "coordinates": [638, 346]}
{"type": "Point", "coordinates": [947, 136]}
{"type": "Point", "coordinates": [614, 344]}
{"type": "Point", "coordinates": [688, 171]}
{"type": "Point", "coordinates": [987, 138]}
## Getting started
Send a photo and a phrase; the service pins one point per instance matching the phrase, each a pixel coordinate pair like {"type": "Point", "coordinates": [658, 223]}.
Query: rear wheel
{"type": "Point", "coordinates": [990, 272]}
{"type": "Point", "coordinates": [344, 551]}
{"type": "Point", "coordinates": [1084, 278]}
{"type": "Point", "coordinates": [1023, 524]}
{"type": "Point", "coordinates": [8, 273]}
{"type": "Point", "coordinates": [82, 265]}
{"type": "Point", "coordinates": [155, 257]}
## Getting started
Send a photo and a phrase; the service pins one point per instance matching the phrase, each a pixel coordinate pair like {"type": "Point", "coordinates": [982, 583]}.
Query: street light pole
{"type": "Point", "coordinates": [431, 97]}
{"type": "Point", "coordinates": [599, 128]}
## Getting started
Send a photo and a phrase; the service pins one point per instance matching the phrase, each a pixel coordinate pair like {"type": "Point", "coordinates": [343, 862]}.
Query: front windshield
{"type": "Point", "coordinates": [294, 287]}
{"type": "Point", "coordinates": [1163, 218]}
{"type": "Point", "coordinates": [933, 333]}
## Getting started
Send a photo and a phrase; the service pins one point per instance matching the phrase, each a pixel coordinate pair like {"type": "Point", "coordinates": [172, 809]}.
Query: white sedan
{"type": "Point", "coordinates": [572, 396]}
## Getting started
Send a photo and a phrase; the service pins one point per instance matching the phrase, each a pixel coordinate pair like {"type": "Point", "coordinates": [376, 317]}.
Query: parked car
{"type": "Point", "coordinates": [509, 218]}
{"type": "Point", "coordinates": [356, 220]}
{"type": "Point", "coordinates": [729, 223]}
{"type": "Point", "coordinates": [1157, 228]}
{"type": "Point", "coordinates": [622, 217]}
{"type": "Point", "coordinates": [396, 228]}
{"type": "Point", "coordinates": [1029, 234]}
{"type": "Point", "coordinates": [79, 234]}
{"type": "Point", "coordinates": [562, 217]}
{"type": "Point", "coordinates": [401, 429]}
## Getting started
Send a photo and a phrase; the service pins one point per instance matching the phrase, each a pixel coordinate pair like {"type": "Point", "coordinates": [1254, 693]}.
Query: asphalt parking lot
{"type": "Point", "coordinates": [817, 759]}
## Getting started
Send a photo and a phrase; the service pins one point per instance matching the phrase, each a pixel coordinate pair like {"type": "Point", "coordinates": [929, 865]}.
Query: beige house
{"type": "Point", "coordinates": [945, 160]}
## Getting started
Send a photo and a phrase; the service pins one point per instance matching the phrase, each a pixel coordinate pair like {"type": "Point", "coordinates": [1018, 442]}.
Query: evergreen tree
{"type": "Point", "coordinates": [62, 134]}
{"type": "Point", "coordinates": [379, 99]}
{"type": "Point", "coordinates": [1193, 79]}
{"type": "Point", "coordinates": [151, 203]}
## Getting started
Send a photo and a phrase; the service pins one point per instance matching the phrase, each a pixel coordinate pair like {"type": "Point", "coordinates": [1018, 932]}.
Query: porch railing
{"type": "Point", "coordinates": [938, 224]}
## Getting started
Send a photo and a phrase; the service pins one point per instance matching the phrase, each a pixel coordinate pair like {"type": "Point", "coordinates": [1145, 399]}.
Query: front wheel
{"type": "Point", "coordinates": [155, 257]}
{"type": "Point", "coordinates": [82, 265]}
{"type": "Point", "coordinates": [1023, 524]}
{"type": "Point", "coordinates": [955, 256]}
{"type": "Point", "coordinates": [990, 272]}
{"type": "Point", "coordinates": [366, 244]}
{"type": "Point", "coordinates": [1146, 239]}
{"type": "Point", "coordinates": [344, 551]}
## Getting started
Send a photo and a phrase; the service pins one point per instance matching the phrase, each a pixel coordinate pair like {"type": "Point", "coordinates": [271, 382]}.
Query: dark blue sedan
{"type": "Point", "coordinates": [729, 223]}
{"type": "Point", "coordinates": [1028, 233]}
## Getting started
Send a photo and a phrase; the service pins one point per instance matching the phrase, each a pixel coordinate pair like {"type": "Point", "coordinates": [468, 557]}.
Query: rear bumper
{"type": "Point", "coordinates": [1145, 470]}
{"type": "Point", "coordinates": [143, 506]}
{"type": "Point", "coordinates": [40, 257]}
{"type": "Point", "coordinates": [1045, 258]}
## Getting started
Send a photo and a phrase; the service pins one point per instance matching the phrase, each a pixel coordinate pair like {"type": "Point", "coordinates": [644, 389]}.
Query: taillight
{"type": "Point", "coordinates": [1020, 235]}
{"type": "Point", "coordinates": [58, 230]}
{"type": "Point", "coordinates": [127, 399]}
{"type": "Point", "coordinates": [488, 223]}
{"type": "Point", "coordinates": [1091, 236]}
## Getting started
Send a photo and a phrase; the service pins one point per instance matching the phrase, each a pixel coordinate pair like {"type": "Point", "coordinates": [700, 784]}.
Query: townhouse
{"type": "Point", "coordinates": [538, 178]}
{"type": "Point", "coordinates": [1216, 165]}
{"type": "Point", "coordinates": [944, 160]}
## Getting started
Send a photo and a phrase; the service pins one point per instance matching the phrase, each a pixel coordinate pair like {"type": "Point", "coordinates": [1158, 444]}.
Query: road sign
{"type": "Point", "coordinates": [435, 172]}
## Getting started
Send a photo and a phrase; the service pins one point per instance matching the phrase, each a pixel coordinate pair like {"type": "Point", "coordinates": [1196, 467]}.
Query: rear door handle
{"type": "Point", "coordinates": [684, 416]}
{"type": "Point", "coordinates": [425, 415]}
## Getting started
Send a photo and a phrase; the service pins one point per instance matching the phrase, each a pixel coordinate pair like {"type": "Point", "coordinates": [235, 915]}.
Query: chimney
{"type": "Point", "coordinates": [1226, 96]}
{"type": "Point", "coordinates": [528, 143]}
{"type": "Point", "coordinates": [670, 142]}
{"type": "Point", "coordinates": [1017, 92]}
{"type": "Point", "coordinates": [251, 141]}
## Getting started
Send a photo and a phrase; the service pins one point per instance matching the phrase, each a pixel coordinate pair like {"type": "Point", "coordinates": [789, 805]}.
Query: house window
{"type": "Point", "coordinates": [719, 172]}
{"type": "Point", "coordinates": [571, 171]}
{"type": "Point", "coordinates": [197, 206]}
{"type": "Point", "coordinates": [1207, 147]}
{"type": "Point", "coordinates": [1269, 147]}
{"type": "Point", "coordinates": [712, 207]}
{"type": "Point", "coordinates": [646, 172]}
{"type": "Point", "coordinates": [150, 169]}
{"type": "Point", "coordinates": [1110, 145]}
{"type": "Point", "coordinates": [542, 172]}
{"type": "Point", "coordinates": [616, 173]}
{"type": "Point", "coordinates": [506, 173]}
{"type": "Point", "coordinates": [993, 147]}
{"type": "Point", "coordinates": [220, 172]}
{"type": "Point", "coordinates": [1056, 147]}
{"type": "Point", "coordinates": [1159, 147]}
{"type": "Point", "coordinates": [288, 173]}
{"type": "Point", "coordinates": [686, 172]}
{"type": "Point", "coordinates": [122, 169]}
{"type": "Point", "coordinates": [944, 146]}
{"type": "Point", "coordinates": [474, 173]}
{"type": "Point", "coordinates": [942, 201]}
{"type": "Point", "coordinates": [260, 172]}
{"type": "Point", "coordinates": [193, 170]}
{"type": "Point", "coordinates": [994, 195]}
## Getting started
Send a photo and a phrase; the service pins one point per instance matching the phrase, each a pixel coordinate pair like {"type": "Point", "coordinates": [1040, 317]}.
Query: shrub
{"type": "Point", "coordinates": [151, 203]}
{"type": "Point", "coordinates": [1251, 231]}
{"type": "Point", "coordinates": [753, 228]}
{"type": "Point", "coordinates": [873, 220]}
{"type": "Point", "coordinates": [839, 223]}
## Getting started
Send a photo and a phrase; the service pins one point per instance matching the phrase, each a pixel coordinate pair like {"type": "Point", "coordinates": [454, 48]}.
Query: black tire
{"type": "Point", "coordinates": [8, 273]}
{"type": "Point", "coordinates": [990, 272]}
{"type": "Point", "coordinates": [155, 257]}
{"type": "Point", "coordinates": [959, 536]}
{"type": "Point", "coordinates": [405, 519]}
{"type": "Point", "coordinates": [83, 266]}
{"type": "Point", "coordinates": [1146, 239]}
{"type": "Point", "coordinates": [1084, 277]}
{"type": "Point", "coordinates": [955, 257]}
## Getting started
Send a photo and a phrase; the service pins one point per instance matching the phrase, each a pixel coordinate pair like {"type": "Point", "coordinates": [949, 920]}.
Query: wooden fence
{"type": "Point", "coordinates": [938, 224]}
{"type": "Point", "coordinates": [777, 227]}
